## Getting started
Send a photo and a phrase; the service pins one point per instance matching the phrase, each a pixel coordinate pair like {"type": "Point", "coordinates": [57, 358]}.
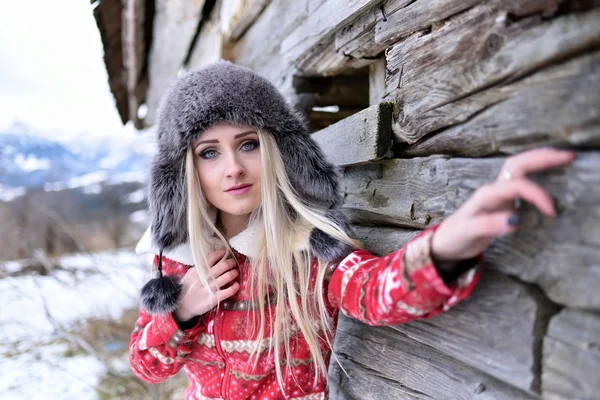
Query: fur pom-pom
{"type": "Point", "coordinates": [161, 295]}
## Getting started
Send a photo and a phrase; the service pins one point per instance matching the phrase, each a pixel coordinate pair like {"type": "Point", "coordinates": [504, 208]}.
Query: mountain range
{"type": "Point", "coordinates": [28, 161]}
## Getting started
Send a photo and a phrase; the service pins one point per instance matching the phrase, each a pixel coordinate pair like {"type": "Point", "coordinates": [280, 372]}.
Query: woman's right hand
{"type": "Point", "coordinates": [195, 298]}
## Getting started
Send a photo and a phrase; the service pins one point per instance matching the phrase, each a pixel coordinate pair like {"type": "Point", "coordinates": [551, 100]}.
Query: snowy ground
{"type": "Point", "coordinates": [40, 317]}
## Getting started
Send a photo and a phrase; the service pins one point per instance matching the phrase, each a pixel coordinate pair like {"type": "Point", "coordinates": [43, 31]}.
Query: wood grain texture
{"type": "Point", "coordinates": [409, 193]}
{"type": "Point", "coordinates": [376, 81]}
{"type": "Point", "coordinates": [571, 361]}
{"type": "Point", "coordinates": [320, 25]}
{"type": "Point", "coordinates": [208, 48]}
{"type": "Point", "coordinates": [236, 16]}
{"type": "Point", "coordinates": [502, 321]}
{"type": "Point", "coordinates": [382, 240]}
{"type": "Point", "coordinates": [560, 255]}
{"type": "Point", "coordinates": [362, 137]}
{"type": "Point", "coordinates": [384, 363]}
{"type": "Point", "coordinates": [109, 20]}
{"type": "Point", "coordinates": [383, 25]}
{"type": "Point", "coordinates": [135, 45]}
{"type": "Point", "coordinates": [172, 19]}
{"type": "Point", "coordinates": [276, 22]}
{"type": "Point", "coordinates": [433, 76]}
{"type": "Point", "coordinates": [516, 119]}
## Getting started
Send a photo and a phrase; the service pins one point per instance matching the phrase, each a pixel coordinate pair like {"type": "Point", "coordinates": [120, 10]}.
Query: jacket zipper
{"type": "Point", "coordinates": [218, 333]}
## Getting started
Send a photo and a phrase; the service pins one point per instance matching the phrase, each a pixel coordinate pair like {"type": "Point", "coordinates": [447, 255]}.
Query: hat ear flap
{"type": "Point", "coordinates": [167, 199]}
{"type": "Point", "coordinates": [327, 248]}
{"type": "Point", "coordinates": [312, 176]}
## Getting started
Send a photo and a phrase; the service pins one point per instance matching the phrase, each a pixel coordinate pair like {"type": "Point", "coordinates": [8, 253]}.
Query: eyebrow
{"type": "Point", "coordinates": [239, 135]}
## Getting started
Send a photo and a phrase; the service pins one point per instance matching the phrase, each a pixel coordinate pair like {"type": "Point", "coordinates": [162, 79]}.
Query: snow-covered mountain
{"type": "Point", "coordinates": [28, 161]}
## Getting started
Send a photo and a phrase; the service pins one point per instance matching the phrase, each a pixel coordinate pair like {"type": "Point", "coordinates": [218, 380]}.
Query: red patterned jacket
{"type": "Point", "coordinates": [398, 288]}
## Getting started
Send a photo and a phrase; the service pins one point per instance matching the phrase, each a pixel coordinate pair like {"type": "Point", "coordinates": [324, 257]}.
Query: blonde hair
{"type": "Point", "coordinates": [283, 265]}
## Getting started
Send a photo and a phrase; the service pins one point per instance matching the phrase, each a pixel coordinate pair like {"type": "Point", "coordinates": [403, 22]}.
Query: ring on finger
{"type": "Point", "coordinates": [507, 175]}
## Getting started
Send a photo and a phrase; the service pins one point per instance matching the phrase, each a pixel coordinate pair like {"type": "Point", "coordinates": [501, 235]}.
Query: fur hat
{"type": "Point", "coordinates": [229, 93]}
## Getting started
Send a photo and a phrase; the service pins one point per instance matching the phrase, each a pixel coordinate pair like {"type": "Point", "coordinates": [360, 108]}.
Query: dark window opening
{"type": "Point", "coordinates": [327, 100]}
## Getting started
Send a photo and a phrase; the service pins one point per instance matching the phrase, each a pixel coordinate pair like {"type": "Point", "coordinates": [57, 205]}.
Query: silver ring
{"type": "Point", "coordinates": [507, 175]}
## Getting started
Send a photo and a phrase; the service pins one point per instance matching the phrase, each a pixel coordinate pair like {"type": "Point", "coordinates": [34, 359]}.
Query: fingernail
{"type": "Point", "coordinates": [513, 220]}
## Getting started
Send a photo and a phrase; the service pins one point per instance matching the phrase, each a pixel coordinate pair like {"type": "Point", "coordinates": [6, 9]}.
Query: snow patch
{"type": "Point", "coordinates": [139, 217]}
{"type": "Point", "coordinates": [36, 309]}
{"type": "Point", "coordinates": [135, 197]}
{"type": "Point", "coordinates": [32, 163]}
{"type": "Point", "coordinates": [80, 181]}
{"type": "Point", "coordinates": [8, 193]}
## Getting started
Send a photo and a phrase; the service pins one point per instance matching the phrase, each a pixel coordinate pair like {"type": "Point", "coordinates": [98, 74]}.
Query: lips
{"type": "Point", "coordinates": [238, 187]}
{"type": "Point", "coordinates": [239, 190]}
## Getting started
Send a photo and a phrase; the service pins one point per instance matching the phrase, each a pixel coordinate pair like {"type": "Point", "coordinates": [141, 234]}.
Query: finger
{"type": "Point", "coordinates": [226, 278]}
{"type": "Point", "coordinates": [495, 224]}
{"type": "Point", "coordinates": [501, 195]}
{"type": "Point", "coordinates": [215, 256]}
{"type": "Point", "coordinates": [536, 160]}
{"type": "Point", "coordinates": [228, 292]}
{"type": "Point", "coordinates": [223, 266]}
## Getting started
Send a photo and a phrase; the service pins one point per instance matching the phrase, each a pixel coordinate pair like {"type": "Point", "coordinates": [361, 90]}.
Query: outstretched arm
{"type": "Point", "coordinates": [428, 275]}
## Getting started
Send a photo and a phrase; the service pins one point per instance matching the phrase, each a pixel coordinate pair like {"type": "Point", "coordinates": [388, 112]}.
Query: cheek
{"type": "Point", "coordinates": [208, 183]}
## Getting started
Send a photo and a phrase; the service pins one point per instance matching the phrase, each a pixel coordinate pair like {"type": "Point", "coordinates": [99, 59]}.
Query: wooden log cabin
{"type": "Point", "coordinates": [418, 102]}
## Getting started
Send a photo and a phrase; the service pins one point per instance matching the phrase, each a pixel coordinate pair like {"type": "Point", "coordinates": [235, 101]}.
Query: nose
{"type": "Point", "coordinates": [235, 168]}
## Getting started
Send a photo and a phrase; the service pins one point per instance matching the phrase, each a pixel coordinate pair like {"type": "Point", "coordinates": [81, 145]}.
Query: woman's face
{"type": "Point", "coordinates": [227, 160]}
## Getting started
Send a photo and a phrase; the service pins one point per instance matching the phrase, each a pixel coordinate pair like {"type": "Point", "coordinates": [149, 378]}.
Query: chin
{"type": "Point", "coordinates": [240, 210]}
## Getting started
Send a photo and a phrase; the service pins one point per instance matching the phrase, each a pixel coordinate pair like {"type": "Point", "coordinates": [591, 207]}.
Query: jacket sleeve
{"type": "Point", "coordinates": [158, 348]}
{"type": "Point", "coordinates": [398, 288]}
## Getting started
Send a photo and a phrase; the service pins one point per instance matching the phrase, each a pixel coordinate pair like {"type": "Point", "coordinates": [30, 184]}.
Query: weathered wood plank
{"type": "Point", "coordinates": [428, 73]}
{"type": "Point", "coordinates": [237, 16]}
{"type": "Point", "coordinates": [409, 193]}
{"type": "Point", "coordinates": [561, 255]}
{"type": "Point", "coordinates": [382, 240]}
{"type": "Point", "coordinates": [208, 48]}
{"type": "Point", "coordinates": [276, 22]}
{"type": "Point", "coordinates": [384, 363]}
{"type": "Point", "coordinates": [364, 137]}
{"type": "Point", "coordinates": [504, 321]}
{"type": "Point", "coordinates": [134, 55]}
{"type": "Point", "coordinates": [371, 33]}
{"type": "Point", "coordinates": [376, 81]}
{"type": "Point", "coordinates": [515, 119]}
{"type": "Point", "coordinates": [172, 19]}
{"type": "Point", "coordinates": [109, 20]}
{"type": "Point", "coordinates": [330, 16]}
{"type": "Point", "coordinates": [383, 25]}
{"type": "Point", "coordinates": [324, 60]}
{"type": "Point", "coordinates": [571, 361]}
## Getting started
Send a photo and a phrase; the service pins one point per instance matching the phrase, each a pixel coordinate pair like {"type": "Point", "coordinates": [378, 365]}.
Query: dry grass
{"type": "Point", "coordinates": [110, 340]}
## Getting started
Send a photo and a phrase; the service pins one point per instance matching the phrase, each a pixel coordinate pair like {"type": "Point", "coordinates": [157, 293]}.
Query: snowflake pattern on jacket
{"type": "Point", "coordinates": [398, 288]}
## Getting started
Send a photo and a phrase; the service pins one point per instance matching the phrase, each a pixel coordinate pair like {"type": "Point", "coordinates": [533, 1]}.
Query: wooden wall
{"type": "Point", "coordinates": [442, 91]}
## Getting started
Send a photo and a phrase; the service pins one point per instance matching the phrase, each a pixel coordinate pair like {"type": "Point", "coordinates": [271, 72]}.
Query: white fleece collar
{"type": "Point", "coordinates": [242, 243]}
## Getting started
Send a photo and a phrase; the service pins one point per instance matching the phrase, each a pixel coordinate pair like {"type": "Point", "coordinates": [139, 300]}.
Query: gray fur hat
{"type": "Point", "coordinates": [229, 93]}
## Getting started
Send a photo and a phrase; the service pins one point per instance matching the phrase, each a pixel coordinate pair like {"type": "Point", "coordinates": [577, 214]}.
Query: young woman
{"type": "Point", "coordinates": [253, 262]}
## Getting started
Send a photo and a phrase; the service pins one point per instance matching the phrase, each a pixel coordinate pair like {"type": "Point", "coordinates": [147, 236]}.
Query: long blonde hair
{"type": "Point", "coordinates": [283, 264]}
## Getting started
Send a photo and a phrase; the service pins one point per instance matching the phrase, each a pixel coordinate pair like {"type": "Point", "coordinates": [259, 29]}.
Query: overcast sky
{"type": "Point", "coordinates": [52, 76]}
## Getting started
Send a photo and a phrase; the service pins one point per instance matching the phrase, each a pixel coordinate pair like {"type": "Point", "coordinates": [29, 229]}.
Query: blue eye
{"type": "Point", "coordinates": [208, 154]}
{"type": "Point", "coordinates": [249, 145]}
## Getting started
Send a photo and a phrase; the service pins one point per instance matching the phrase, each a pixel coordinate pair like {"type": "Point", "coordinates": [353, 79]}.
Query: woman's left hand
{"type": "Point", "coordinates": [490, 211]}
